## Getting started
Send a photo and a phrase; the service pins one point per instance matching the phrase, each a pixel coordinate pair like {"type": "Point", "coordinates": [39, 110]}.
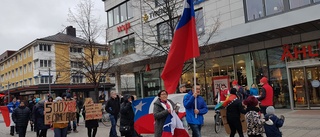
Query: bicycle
{"type": "Point", "coordinates": [106, 119]}
{"type": "Point", "coordinates": [217, 122]}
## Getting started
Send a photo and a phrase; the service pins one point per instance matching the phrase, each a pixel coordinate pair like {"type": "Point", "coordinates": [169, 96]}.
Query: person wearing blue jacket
{"type": "Point", "coordinates": [195, 115]}
{"type": "Point", "coordinates": [12, 106]}
{"type": "Point", "coordinates": [254, 90]}
{"type": "Point", "coordinates": [272, 129]}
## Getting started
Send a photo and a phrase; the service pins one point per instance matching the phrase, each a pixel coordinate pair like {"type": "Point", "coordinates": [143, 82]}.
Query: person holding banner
{"type": "Point", "coordinates": [195, 110]}
{"type": "Point", "coordinates": [60, 129]}
{"type": "Point", "coordinates": [92, 124]}
{"type": "Point", "coordinates": [21, 116]}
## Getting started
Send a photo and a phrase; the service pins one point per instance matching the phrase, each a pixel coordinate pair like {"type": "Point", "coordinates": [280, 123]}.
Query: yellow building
{"type": "Point", "coordinates": [52, 63]}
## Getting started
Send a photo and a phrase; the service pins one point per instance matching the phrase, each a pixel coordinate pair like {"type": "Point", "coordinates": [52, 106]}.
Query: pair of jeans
{"type": "Point", "coordinates": [113, 131]}
{"type": "Point", "coordinates": [60, 132]}
{"type": "Point", "coordinates": [43, 133]}
{"type": "Point", "coordinates": [92, 132]}
{"type": "Point", "coordinates": [74, 125]}
{"type": "Point", "coordinates": [22, 131]}
{"type": "Point", "coordinates": [196, 130]}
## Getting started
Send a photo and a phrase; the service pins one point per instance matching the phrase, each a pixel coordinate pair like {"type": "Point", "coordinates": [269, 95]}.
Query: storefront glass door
{"type": "Point", "coordinates": [305, 85]}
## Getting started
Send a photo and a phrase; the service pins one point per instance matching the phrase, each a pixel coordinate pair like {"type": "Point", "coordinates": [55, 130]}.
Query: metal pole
{"type": "Point", "coordinates": [195, 83]}
{"type": "Point", "coordinates": [50, 82]}
{"type": "Point", "coordinates": [8, 93]}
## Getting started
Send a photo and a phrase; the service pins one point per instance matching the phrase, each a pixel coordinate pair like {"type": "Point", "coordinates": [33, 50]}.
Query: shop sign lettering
{"type": "Point", "coordinates": [306, 51]}
{"type": "Point", "coordinates": [124, 27]}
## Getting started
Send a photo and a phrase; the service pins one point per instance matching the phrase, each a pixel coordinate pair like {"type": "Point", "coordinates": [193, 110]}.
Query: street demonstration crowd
{"type": "Point", "coordinates": [260, 117]}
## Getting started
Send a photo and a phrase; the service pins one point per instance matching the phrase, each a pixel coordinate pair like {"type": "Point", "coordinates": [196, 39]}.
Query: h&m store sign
{"type": "Point", "coordinates": [304, 50]}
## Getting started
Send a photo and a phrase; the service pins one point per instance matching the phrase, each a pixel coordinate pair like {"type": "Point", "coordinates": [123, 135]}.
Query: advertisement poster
{"type": "Point", "coordinates": [218, 81]}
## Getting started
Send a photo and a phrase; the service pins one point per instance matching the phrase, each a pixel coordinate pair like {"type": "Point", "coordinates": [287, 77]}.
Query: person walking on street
{"type": "Point", "coordinates": [113, 108]}
{"type": "Point", "coordinates": [74, 123]}
{"type": "Point", "coordinates": [39, 117]}
{"type": "Point", "coordinates": [12, 106]}
{"type": "Point", "coordinates": [32, 102]}
{"type": "Point", "coordinates": [233, 114]}
{"type": "Point", "coordinates": [254, 120]}
{"type": "Point", "coordinates": [21, 116]}
{"type": "Point", "coordinates": [272, 128]}
{"type": "Point", "coordinates": [79, 103]}
{"type": "Point", "coordinates": [266, 97]}
{"type": "Point", "coordinates": [33, 117]}
{"type": "Point", "coordinates": [127, 116]}
{"type": "Point", "coordinates": [194, 114]}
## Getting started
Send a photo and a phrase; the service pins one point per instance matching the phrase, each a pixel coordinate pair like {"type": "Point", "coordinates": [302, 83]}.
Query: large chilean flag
{"type": "Point", "coordinates": [184, 47]}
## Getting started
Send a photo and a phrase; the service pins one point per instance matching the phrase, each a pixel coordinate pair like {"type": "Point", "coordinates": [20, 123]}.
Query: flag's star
{"type": "Point", "coordinates": [139, 106]}
{"type": "Point", "coordinates": [186, 5]}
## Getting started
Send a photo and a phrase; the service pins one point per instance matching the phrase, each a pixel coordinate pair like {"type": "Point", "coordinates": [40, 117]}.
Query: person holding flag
{"type": "Point", "coordinates": [196, 107]}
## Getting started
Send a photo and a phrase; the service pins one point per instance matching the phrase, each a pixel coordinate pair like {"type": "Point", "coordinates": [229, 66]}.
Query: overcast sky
{"type": "Point", "coordinates": [23, 21]}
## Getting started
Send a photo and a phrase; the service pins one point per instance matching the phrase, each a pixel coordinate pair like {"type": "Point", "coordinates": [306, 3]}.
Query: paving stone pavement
{"type": "Point", "coordinates": [298, 123]}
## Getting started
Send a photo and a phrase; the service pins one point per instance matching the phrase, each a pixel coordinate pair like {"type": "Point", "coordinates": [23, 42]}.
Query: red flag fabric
{"type": "Point", "coordinates": [6, 115]}
{"type": "Point", "coordinates": [173, 127]}
{"type": "Point", "coordinates": [184, 47]}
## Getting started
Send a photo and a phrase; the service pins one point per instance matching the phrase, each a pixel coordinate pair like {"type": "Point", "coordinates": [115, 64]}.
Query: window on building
{"type": "Point", "coordinates": [17, 84]}
{"type": "Point", "coordinates": [44, 47]}
{"type": "Point", "coordinates": [12, 61]}
{"type": "Point", "coordinates": [29, 52]}
{"type": "Point", "coordinates": [159, 2]}
{"type": "Point", "coordinates": [30, 66]}
{"type": "Point", "coordinates": [45, 63]}
{"type": "Point", "coordinates": [102, 52]}
{"type": "Point", "coordinates": [120, 14]}
{"type": "Point", "coordinates": [76, 50]}
{"type": "Point", "coordinates": [199, 22]}
{"type": "Point", "coordinates": [17, 72]}
{"type": "Point", "coordinates": [76, 64]}
{"type": "Point", "coordinates": [274, 6]}
{"type": "Point", "coordinates": [30, 81]}
{"type": "Point", "coordinates": [254, 9]}
{"type": "Point", "coordinates": [8, 63]}
{"type": "Point", "coordinates": [122, 46]}
{"type": "Point", "coordinates": [77, 79]}
{"type": "Point", "coordinates": [25, 82]}
{"type": "Point", "coordinates": [20, 68]}
{"type": "Point", "coordinates": [45, 79]}
{"type": "Point", "coordinates": [298, 3]}
{"type": "Point", "coordinates": [20, 57]}
{"type": "Point", "coordinates": [12, 72]}
{"type": "Point", "coordinates": [25, 68]}
{"type": "Point", "coordinates": [102, 79]}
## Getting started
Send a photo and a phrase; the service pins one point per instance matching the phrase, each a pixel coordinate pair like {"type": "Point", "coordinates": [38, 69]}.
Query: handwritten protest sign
{"type": "Point", "coordinates": [93, 111]}
{"type": "Point", "coordinates": [57, 112]}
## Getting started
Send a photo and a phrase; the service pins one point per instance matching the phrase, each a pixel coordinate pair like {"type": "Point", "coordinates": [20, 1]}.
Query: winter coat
{"type": "Point", "coordinates": [188, 102]}
{"type": "Point", "coordinates": [39, 116]}
{"type": "Point", "coordinates": [234, 110]}
{"type": "Point", "coordinates": [93, 123]}
{"type": "Point", "coordinates": [254, 92]}
{"type": "Point", "coordinates": [254, 121]}
{"type": "Point", "coordinates": [21, 116]}
{"type": "Point", "coordinates": [113, 106]}
{"type": "Point", "coordinates": [266, 98]}
{"type": "Point", "coordinates": [160, 115]}
{"type": "Point", "coordinates": [273, 130]}
{"type": "Point", "coordinates": [127, 115]}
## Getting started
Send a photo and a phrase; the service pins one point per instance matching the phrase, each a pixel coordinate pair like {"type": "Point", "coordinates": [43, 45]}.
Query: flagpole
{"type": "Point", "coordinates": [195, 83]}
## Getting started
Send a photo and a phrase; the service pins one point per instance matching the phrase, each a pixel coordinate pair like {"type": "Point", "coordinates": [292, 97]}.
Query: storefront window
{"type": "Point", "coordinates": [254, 9]}
{"type": "Point", "coordinates": [260, 65]}
{"type": "Point", "coordinates": [278, 78]}
{"type": "Point", "coordinates": [243, 69]}
{"type": "Point", "coordinates": [151, 83]}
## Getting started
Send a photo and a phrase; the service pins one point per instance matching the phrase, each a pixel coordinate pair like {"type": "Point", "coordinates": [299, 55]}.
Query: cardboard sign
{"type": "Point", "coordinates": [93, 111]}
{"type": "Point", "coordinates": [58, 112]}
{"type": "Point", "coordinates": [87, 101]}
{"type": "Point", "coordinates": [223, 113]}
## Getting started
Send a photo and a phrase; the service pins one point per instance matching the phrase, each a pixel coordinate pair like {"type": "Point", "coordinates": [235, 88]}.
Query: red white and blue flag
{"type": "Point", "coordinates": [6, 114]}
{"type": "Point", "coordinates": [173, 127]}
{"type": "Point", "coordinates": [143, 109]}
{"type": "Point", "coordinates": [184, 47]}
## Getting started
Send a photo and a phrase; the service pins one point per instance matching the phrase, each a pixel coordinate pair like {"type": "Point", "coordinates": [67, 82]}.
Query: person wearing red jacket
{"type": "Point", "coordinates": [266, 97]}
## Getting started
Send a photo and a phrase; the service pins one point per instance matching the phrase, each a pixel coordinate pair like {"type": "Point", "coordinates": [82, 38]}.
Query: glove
{"type": "Point", "coordinates": [282, 117]}
{"type": "Point", "coordinates": [266, 118]}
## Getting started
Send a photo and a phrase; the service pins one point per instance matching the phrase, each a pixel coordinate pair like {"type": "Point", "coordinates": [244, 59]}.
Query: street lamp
{"type": "Point", "coordinates": [50, 80]}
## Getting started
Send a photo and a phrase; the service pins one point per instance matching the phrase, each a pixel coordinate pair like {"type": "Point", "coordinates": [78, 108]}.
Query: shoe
{"type": "Point", "coordinates": [11, 134]}
{"type": "Point", "coordinates": [75, 131]}
{"type": "Point", "coordinates": [68, 132]}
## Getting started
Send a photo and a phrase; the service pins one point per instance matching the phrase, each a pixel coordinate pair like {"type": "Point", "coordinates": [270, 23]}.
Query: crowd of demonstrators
{"type": "Point", "coordinates": [194, 114]}
{"type": "Point", "coordinates": [162, 108]}
{"type": "Point", "coordinates": [233, 114]}
{"type": "Point", "coordinates": [113, 108]}
{"type": "Point", "coordinates": [21, 117]}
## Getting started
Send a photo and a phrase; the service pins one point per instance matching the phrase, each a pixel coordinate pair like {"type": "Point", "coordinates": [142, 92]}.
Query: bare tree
{"type": "Point", "coordinates": [86, 58]}
{"type": "Point", "coordinates": [157, 37]}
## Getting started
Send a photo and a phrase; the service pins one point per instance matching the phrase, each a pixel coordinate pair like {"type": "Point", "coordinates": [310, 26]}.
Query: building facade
{"type": "Point", "coordinates": [49, 64]}
{"type": "Point", "coordinates": [278, 39]}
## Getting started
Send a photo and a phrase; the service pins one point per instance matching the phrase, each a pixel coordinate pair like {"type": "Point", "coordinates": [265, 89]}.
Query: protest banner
{"type": "Point", "coordinates": [93, 111]}
{"type": "Point", "coordinates": [57, 112]}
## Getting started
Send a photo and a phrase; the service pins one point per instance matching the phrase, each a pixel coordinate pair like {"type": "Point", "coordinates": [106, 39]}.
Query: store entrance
{"type": "Point", "coordinates": [305, 85]}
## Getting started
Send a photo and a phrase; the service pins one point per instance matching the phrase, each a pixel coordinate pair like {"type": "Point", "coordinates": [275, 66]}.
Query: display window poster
{"type": "Point", "coordinates": [218, 81]}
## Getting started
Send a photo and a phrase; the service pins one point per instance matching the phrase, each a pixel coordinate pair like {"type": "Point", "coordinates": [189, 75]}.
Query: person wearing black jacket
{"type": "Point", "coordinates": [127, 116]}
{"type": "Point", "coordinates": [113, 108]}
{"type": "Point", "coordinates": [91, 125]}
{"type": "Point", "coordinates": [39, 117]}
{"type": "Point", "coordinates": [233, 115]}
{"type": "Point", "coordinates": [32, 103]}
{"type": "Point", "coordinates": [21, 117]}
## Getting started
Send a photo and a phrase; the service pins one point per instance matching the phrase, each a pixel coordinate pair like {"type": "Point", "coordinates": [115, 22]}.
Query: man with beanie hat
{"type": "Point", "coordinates": [241, 93]}
{"type": "Point", "coordinates": [266, 97]}
{"type": "Point", "coordinates": [272, 130]}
